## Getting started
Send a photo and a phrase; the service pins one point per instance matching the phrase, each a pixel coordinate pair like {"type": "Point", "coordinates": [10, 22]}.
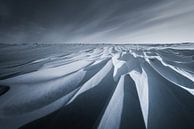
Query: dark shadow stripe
{"type": "Point", "coordinates": [3, 89]}
{"type": "Point", "coordinates": [132, 116]}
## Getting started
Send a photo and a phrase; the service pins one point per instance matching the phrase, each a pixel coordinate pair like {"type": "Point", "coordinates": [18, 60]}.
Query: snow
{"type": "Point", "coordinates": [39, 81]}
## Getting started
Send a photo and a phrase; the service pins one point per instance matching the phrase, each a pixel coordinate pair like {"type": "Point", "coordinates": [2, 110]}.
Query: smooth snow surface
{"type": "Point", "coordinates": [97, 86]}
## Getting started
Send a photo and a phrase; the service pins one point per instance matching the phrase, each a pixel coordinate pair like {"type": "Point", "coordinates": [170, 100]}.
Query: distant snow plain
{"type": "Point", "coordinates": [97, 86]}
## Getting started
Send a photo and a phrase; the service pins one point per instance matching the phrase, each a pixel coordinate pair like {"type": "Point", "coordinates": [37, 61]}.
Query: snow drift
{"type": "Point", "coordinates": [97, 86]}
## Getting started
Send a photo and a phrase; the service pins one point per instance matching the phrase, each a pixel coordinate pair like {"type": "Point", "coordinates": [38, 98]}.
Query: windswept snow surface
{"type": "Point", "coordinates": [97, 86]}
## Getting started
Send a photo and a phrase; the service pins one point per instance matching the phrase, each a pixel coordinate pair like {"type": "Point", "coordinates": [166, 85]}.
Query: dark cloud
{"type": "Point", "coordinates": [82, 20]}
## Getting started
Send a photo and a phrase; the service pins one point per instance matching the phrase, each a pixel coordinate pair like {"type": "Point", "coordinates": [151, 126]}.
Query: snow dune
{"type": "Point", "coordinates": [97, 86]}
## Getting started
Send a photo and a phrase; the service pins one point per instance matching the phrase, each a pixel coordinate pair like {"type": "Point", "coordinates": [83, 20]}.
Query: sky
{"type": "Point", "coordinates": [96, 21]}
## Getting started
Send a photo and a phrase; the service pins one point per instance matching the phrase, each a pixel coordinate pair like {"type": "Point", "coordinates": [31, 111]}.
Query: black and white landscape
{"type": "Point", "coordinates": [97, 86]}
{"type": "Point", "coordinates": [96, 64]}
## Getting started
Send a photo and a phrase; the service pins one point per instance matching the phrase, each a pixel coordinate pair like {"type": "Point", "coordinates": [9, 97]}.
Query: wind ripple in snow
{"type": "Point", "coordinates": [97, 86]}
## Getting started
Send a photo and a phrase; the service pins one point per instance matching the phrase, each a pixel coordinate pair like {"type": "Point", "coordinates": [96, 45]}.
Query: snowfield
{"type": "Point", "coordinates": [97, 86]}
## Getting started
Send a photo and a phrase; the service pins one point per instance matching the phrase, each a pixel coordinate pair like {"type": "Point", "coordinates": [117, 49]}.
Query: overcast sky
{"type": "Point", "coordinates": [96, 21]}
